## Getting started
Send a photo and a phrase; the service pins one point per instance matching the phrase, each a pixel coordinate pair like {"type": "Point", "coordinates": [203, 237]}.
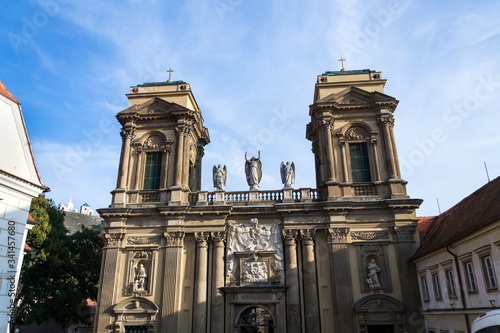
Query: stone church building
{"type": "Point", "coordinates": [333, 258]}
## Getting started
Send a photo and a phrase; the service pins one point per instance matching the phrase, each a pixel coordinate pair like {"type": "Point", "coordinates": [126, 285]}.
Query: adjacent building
{"type": "Point", "coordinates": [330, 258]}
{"type": "Point", "coordinates": [458, 263]}
{"type": "Point", "coordinates": [19, 183]}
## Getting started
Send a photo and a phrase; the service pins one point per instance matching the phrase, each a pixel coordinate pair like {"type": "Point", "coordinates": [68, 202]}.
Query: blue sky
{"type": "Point", "coordinates": [253, 64]}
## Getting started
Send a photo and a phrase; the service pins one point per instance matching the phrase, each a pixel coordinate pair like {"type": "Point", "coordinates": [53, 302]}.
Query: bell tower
{"type": "Point", "coordinates": [162, 145]}
{"type": "Point", "coordinates": [352, 136]}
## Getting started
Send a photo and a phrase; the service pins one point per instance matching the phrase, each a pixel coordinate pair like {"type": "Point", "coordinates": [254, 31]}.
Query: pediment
{"type": "Point", "coordinates": [135, 304]}
{"type": "Point", "coordinates": [155, 106]}
{"type": "Point", "coordinates": [378, 303]}
{"type": "Point", "coordinates": [354, 96]}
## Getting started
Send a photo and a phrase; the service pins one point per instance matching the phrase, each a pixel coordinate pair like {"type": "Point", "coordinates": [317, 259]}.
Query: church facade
{"type": "Point", "coordinates": [333, 258]}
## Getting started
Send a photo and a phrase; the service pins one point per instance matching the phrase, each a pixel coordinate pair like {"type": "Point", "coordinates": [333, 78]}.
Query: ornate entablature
{"type": "Point", "coordinates": [254, 253]}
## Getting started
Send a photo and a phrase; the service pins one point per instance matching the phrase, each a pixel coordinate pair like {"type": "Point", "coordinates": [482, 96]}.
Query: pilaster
{"type": "Point", "coordinates": [200, 296]}
{"type": "Point", "coordinates": [172, 291]}
{"type": "Point", "coordinates": [340, 268]}
{"type": "Point", "coordinates": [311, 301]}
{"type": "Point", "coordinates": [218, 239]}
{"type": "Point", "coordinates": [293, 324]}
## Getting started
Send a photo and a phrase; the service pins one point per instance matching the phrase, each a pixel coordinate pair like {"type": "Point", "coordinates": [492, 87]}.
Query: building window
{"type": "Point", "coordinates": [450, 283]}
{"type": "Point", "coordinates": [152, 171]}
{"type": "Point", "coordinates": [360, 164]}
{"type": "Point", "coordinates": [489, 272]}
{"type": "Point", "coordinates": [425, 289]}
{"type": "Point", "coordinates": [437, 286]}
{"type": "Point", "coordinates": [471, 279]}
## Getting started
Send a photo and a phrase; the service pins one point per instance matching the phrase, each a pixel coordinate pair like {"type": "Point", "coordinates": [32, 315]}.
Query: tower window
{"type": "Point", "coordinates": [360, 164]}
{"type": "Point", "coordinates": [152, 171]}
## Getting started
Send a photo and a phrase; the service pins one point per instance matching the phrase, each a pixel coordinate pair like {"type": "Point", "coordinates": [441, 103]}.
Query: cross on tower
{"type": "Point", "coordinates": [170, 71]}
{"type": "Point", "coordinates": [342, 62]}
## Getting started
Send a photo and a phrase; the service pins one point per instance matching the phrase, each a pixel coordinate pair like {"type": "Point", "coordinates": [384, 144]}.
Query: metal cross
{"type": "Point", "coordinates": [170, 70]}
{"type": "Point", "coordinates": [342, 62]}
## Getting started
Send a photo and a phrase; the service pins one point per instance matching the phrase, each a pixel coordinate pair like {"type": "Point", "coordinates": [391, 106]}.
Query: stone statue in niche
{"type": "Point", "coordinates": [373, 271]}
{"type": "Point", "coordinates": [219, 176]}
{"type": "Point", "coordinates": [254, 238]}
{"type": "Point", "coordinates": [287, 174]}
{"type": "Point", "coordinates": [253, 171]}
{"type": "Point", "coordinates": [140, 279]}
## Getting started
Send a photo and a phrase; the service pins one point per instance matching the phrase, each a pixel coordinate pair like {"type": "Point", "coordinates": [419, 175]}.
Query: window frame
{"type": "Point", "coordinates": [158, 171]}
{"type": "Point", "coordinates": [360, 175]}
{"type": "Point", "coordinates": [438, 292]}
{"type": "Point", "coordinates": [489, 273]}
{"type": "Point", "coordinates": [450, 283]}
{"type": "Point", "coordinates": [425, 288]}
{"type": "Point", "coordinates": [471, 277]}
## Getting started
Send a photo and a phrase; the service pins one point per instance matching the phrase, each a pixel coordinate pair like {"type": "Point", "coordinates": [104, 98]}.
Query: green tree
{"type": "Point", "coordinates": [60, 272]}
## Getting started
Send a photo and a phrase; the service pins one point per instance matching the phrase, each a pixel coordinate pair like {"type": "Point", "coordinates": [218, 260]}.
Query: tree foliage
{"type": "Point", "coordinates": [60, 272]}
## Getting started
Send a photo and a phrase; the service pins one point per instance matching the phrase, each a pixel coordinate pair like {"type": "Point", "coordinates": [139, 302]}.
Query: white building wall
{"type": "Point", "coordinates": [15, 202]}
{"type": "Point", "coordinates": [447, 313]}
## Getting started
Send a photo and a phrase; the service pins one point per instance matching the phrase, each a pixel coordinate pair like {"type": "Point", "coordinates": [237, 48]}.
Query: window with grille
{"type": "Point", "coordinates": [152, 171]}
{"type": "Point", "coordinates": [360, 163]}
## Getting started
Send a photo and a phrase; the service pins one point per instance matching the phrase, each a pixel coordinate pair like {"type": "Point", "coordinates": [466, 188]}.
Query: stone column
{"type": "Point", "coordinates": [375, 160]}
{"type": "Point", "coordinates": [330, 153]}
{"type": "Point", "coordinates": [311, 301]}
{"type": "Point", "coordinates": [343, 156]}
{"type": "Point", "coordinates": [104, 313]}
{"type": "Point", "coordinates": [179, 156]}
{"type": "Point", "coordinates": [386, 123]}
{"type": "Point", "coordinates": [340, 269]}
{"type": "Point", "coordinates": [405, 247]}
{"type": "Point", "coordinates": [127, 136]}
{"type": "Point", "coordinates": [217, 302]}
{"type": "Point", "coordinates": [200, 293]}
{"type": "Point", "coordinates": [172, 293]}
{"type": "Point", "coordinates": [293, 324]}
{"type": "Point", "coordinates": [186, 160]}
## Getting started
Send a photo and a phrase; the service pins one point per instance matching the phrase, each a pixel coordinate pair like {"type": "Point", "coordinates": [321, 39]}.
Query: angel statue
{"type": "Point", "coordinates": [253, 170]}
{"type": "Point", "coordinates": [219, 175]}
{"type": "Point", "coordinates": [287, 174]}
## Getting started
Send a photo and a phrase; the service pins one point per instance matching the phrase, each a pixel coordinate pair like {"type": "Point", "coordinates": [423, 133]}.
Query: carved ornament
{"type": "Point", "coordinates": [175, 238]}
{"type": "Point", "coordinates": [144, 240]}
{"type": "Point", "coordinates": [113, 239]}
{"type": "Point", "coordinates": [357, 133]}
{"type": "Point", "coordinates": [369, 235]}
{"type": "Point", "coordinates": [406, 233]}
{"type": "Point", "coordinates": [154, 142]}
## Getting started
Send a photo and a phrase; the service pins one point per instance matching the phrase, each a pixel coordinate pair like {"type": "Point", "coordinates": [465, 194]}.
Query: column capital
{"type": "Point", "coordinates": [218, 236]}
{"type": "Point", "coordinates": [174, 238]}
{"type": "Point", "coordinates": [338, 235]}
{"type": "Point", "coordinates": [201, 238]}
{"type": "Point", "coordinates": [290, 236]}
{"type": "Point", "coordinates": [114, 239]}
{"type": "Point", "coordinates": [127, 133]}
{"type": "Point", "coordinates": [387, 120]}
{"type": "Point", "coordinates": [307, 236]}
{"type": "Point", "coordinates": [404, 233]}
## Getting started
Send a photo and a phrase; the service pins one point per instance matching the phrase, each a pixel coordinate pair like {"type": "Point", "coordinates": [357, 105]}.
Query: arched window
{"type": "Point", "coordinates": [358, 139]}
{"type": "Point", "coordinates": [154, 148]}
{"type": "Point", "coordinates": [256, 320]}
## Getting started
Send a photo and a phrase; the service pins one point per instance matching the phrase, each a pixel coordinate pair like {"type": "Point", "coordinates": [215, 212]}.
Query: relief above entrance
{"type": "Point", "coordinates": [254, 253]}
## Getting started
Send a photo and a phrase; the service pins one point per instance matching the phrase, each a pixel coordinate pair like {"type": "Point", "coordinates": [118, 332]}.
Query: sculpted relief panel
{"type": "Point", "coordinates": [254, 252]}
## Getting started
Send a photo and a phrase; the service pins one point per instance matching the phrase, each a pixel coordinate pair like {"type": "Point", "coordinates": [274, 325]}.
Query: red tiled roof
{"type": "Point", "coordinates": [424, 224]}
{"type": "Point", "coordinates": [472, 213]}
{"type": "Point", "coordinates": [5, 92]}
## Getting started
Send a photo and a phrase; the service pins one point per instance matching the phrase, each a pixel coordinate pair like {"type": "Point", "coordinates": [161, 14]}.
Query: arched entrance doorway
{"type": "Point", "coordinates": [256, 319]}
